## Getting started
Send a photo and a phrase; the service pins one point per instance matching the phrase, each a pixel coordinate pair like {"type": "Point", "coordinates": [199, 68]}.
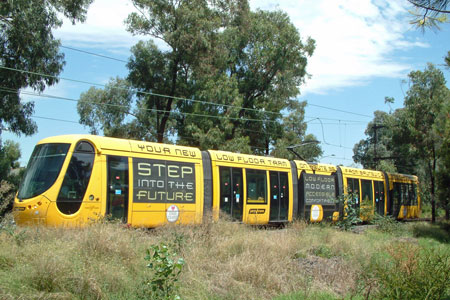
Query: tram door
{"type": "Point", "coordinates": [279, 193]}
{"type": "Point", "coordinates": [117, 199]}
{"type": "Point", "coordinates": [379, 197]}
{"type": "Point", "coordinates": [353, 188]}
{"type": "Point", "coordinates": [231, 192]}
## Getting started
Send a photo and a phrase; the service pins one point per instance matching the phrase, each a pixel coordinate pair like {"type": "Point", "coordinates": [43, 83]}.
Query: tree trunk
{"type": "Point", "coordinates": [433, 200]}
{"type": "Point", "coordinates": [165, 118]}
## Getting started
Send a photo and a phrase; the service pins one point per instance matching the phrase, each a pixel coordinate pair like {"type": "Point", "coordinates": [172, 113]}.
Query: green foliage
{"type": "Point", "coordinates": [322, 251]}
{"type": "Point", "coordinates": [294, 133]}
{"type": "Point", "coordinates": [408, 271]}
{"type": "Point", "coordinates": [9, 156]}
{"type": "Point", "coordinates": [366, 152]}
{"type": "Point", "coordinates": [429, 13]}
{"type": "Point", "coordinates": [415, 137]}
{"type": "Point", "coordinates": [27, 43]}
{"type": "Point", "coordinates": [10, 174]}
{"type": "Point", "coordinates": [387, 224]}
{"type": "Point", "coordinates": [105, 110]}
{"type": "Point", "coordinates": [439, 231]}
{"type": "Point", "coordinates": [166, 267]}
{"type": "Point", "coordinates": [442, 128]}
{"type": "Point", "coordinates": [351, 216]}
{"type": "Point", "coordinates": [222, 82]}
{"type": "Point", "coordinates": [7, 192]}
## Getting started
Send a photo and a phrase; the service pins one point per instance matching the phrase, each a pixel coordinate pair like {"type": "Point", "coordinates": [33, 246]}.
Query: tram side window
{"type": "Point", "coordinates": [76, 179]}
{"type": "Point", "coordinates": [414, 194]}
{"type": "Point", "coordinates": [397, 197]}
{"type": "Point", "coordinates": [256, 187]}
{"type": "Point", "coordinates": [353, 188]}
{"type": "Point", "coordinates": [366, 192]}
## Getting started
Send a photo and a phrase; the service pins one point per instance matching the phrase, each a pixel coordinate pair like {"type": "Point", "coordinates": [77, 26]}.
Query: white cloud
{"type": "Point", "coordinates": [356, 39]}
{"type": "Point", "coordinates": [104, 27]}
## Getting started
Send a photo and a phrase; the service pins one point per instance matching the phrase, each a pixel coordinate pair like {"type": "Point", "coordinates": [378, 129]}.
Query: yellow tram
{"type": "Point", "coordinates": [73, 180]}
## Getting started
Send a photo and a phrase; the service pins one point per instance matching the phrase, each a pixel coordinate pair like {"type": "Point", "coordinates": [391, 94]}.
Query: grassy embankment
{"type": "Point", "coordinates": [228, 261]}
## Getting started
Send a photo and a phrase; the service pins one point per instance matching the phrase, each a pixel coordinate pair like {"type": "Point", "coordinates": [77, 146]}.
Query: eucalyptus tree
{"type": "Point", "coordinates": [374, 151]}
{"type": "Point", "coordinates": [442, 127]}
{"type": "Point", "coordinates": [262, 64]}
{"type": "Point", "coordinates": [27, 50]}
{"type": "Point", "coordinates": [188, 29]}
{"type": "Point", "coordinates": [425, 99]}
{"type": "Point", "coordinates": [294, 134]}
{"type": "Point", "coordinates": [216, 75]}
{"type": "Point", "coordinates": [108, 110]}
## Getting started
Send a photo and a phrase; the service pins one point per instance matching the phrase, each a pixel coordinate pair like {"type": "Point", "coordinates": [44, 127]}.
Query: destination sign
{"type": "Point", "coordinates": [319, 189]}
{"type": "Point", "coordinates": [254, 160]}
{"type": "Point", "coordinates": [165, 149]}
{"type": "Point", "coordinates": [161, 181]}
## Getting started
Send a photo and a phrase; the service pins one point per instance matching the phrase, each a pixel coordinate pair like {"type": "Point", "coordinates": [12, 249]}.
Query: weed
{"type": "Point", "coordinates": [166, 266]}
{"type": "Point", "coordinates": [408, 271]}
{"type": "Point", "coordinates": [7, 192]}
{"type": "Point", "coordinates": [438, 232]}
{"type": "Point", "coordinates": [322, 251]}
{"type": "Point", "coordinates": [351, 216]}
{"type": "Point", "coordinates": [387, 224]}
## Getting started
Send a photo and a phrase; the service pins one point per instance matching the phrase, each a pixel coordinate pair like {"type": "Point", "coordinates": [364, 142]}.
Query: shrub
{"type": "Point", "coordinates": [408, 271]}
{"type": "Point", "coordinates": [7, 191]}
{"type": "Point", "coordinates": [386, 224]}
{"type": "Point", "coordinates": [322, 251]}
{"type": "Point", "coordinates": [439, 232]}
{"type": "Point", "coordinates": [166, 267]}
{"type": "Point", "coordinates": [351, 216]}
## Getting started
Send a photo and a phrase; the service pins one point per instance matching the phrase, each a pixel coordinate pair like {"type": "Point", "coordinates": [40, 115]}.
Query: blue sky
{"type": "Point", "coordinates": [365, 50]}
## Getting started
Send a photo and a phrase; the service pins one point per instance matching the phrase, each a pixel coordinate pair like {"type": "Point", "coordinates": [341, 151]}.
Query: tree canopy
{"type": "Point", "coordinates": [226, 79]}
{"type": "Point", "coordinates": [414, 136]}
{"type": "Point", "coordinates": [27, 44]}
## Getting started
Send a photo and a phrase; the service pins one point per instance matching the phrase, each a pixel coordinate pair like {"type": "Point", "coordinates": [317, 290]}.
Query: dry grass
{"type": "Point", "coordinates": [224, 260]}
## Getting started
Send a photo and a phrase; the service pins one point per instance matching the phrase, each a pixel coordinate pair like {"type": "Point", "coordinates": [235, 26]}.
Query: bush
{"type": "Point", "coordinates": [166, 268]}
{"type": "Point", "coordinates": [351, 216]}
{"type": "Point", "coordinates": [439, 232]}
{"type": "Point", "coordinates": [386, 224]}
{"type": "Point", "coordinates": [7, 192]}
{"type": "Point", "coordinates": [408, 271]}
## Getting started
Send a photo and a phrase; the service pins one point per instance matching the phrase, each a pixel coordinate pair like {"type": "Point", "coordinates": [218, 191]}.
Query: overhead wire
{"type": "Point", "coordinates": [185, 99]}
{"type": "Point", "coordinates": [184, 137]}
{"type": "Point", "coordinates": [307, 103]}
{"type": "Point", "coordinates": [167, 96]}
{"type": "Point", "coordinates": [92, 53]}
{"type": "Point", "coordinates": [147, 109]}
{"type": "Point", "coordinates": [175, 112]}
{"type": "Point", "coordinates": [137, 91]}
{"type": "Point", "coordinates": [5, 89]}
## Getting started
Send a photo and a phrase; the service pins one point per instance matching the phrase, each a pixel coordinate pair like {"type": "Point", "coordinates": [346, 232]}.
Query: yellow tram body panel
{"type": "Point", "coordinates": [73, 180]}
{"type": "Point", "coordinates": [241, 205]}
{"type": "Point", "coordinates": [369, 188]}
{"type": "Point", "coordinates": [175, 196]}
{"type": "Point", "coordinates": [405, 195]}
{"type": "Point", "coordinates": [43, 209]}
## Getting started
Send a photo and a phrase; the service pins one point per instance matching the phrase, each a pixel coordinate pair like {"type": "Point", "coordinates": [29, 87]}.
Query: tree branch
{"type": "Point", "coordinates": [429, 8]}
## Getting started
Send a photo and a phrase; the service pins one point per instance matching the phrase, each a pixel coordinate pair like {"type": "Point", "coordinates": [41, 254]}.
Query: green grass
{"type": "Point", "coordinates": [226, 261]}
